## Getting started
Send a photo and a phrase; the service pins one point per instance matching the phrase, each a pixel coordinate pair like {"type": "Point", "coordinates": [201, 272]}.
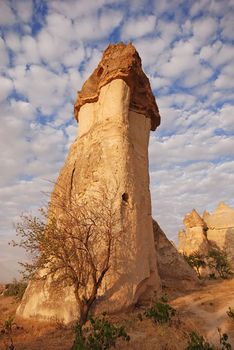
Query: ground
{"type": "Point", "coordinates": [203, 310]}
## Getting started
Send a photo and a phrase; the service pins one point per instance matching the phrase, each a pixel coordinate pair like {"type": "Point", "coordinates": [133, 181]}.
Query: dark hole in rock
{"type": "Point", "coordinates": [125, 197]}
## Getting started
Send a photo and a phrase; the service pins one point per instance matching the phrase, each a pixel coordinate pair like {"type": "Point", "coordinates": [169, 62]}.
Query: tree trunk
{"type": "Point", "coordinates": [84, 312]}
{"type": "Point", "coordinates": [84, 305]}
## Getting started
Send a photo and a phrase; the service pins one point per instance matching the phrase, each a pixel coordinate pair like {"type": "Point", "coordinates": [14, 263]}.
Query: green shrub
{"type": "Point", "coordinates": [223, 340]}
{"type": "Point", "coordinates": [230, 313]}
{"type": "Point", "coordinates": [15, 289]}
{"type": "Point", "coordinates": [164, 298]}
{"type": "Point", "coordinates": [102, 335]}
{"type": "Point", "coordinates": [197, 342]}
{"type": "Point", "coordinates": [212, 276]}
{"type": "Point", "coordinates": [160, 313]}
{"type": "Point", "coordinates": [218, 260]}
{"type": "Point", "coordinates": [7, 330]}
{"type": "Point", "coordinates": [196, 260]}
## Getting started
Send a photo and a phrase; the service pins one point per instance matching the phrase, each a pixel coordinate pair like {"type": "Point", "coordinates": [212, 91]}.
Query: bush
{"type": "Point", "coordinates": [230, 313]}
{"type": "Point", "coordinates": [196, 260]}
{"type": "Point", "coordinates": [161, 312]}
{"type": "Point", "coordinates": [102, 335]}
{"type": "Point", "coordinates": [212, 276]}
{"type": "Point", "coordinates": [218, 260]}
{"type": "Point", "coordinates": [197, 342]}
{"type": "Point", "coordinates": [7, 330]}
{"type": "Point", "coordinates": [223, 340]}
{"type": "Point", "coordinates": [15, 289]}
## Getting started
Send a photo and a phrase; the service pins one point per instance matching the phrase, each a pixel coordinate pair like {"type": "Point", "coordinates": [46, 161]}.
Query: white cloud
{"type": "Point", "coordinates": [50, 48]}
{"type": "Point", "coordinates": [229, 69]}
{"type": "Point", "coordinates": [204, 30]}
{"type": "Point", "coordinates": [14, 147]}
{"type": "Point", "coordinates": [185, 65]}
{"type": "Point", "coordinates": [109, 20]}
{"type": "Point", "coordinates": [226, 116]}
{"type": "Point", "coordinates": [138, 27]}
{"type": "Point", "coordinates": [197, 76]}
{"type": "Point", "coordinates": [96, 27]}
{"type": "Point", "coordinates": [6, 87]}
{"type": "Point", "coordinates": [217, 54]}
{"type": "Point", "coordinates": [13, 41]}
{"type": "Point", "coordinates": [158, 82]}
{"type": "Point", "coordinates": [6, 14]}
{"type": "Point", "coordinates": [165, 7]}
{"type": "Point", "coordinates": [150, 50]}
{"type": "Point", "coordinates": [73, 8]}
{"type": "Point", "coordinates": [191, 146]}
{"type": "Point", "coordinates": [74, 57]}
{"type": "Point", "coordinates": [29, 51]}
{"type": "Point", "coordinates": [43, 88]}
{"type": "Point", "coordinates": [227, 26]}
{"type": "Point", "coordinates": [168, 30]}
{"type": "Point", "coordinates": [182, 59]}
{"type": "Point", "coordinates": [4, 59]}
{"type": "Point", "coordinates": [65, 115]}
{"type": "Point", "coordinates": [219, 8]}
{"type": "Point", "coordinates": [225, 78]}
{"type": "Point", "coordinates": [24, 9]}
{"type": "Point", "coordinates": [47, 144]}
{"type": "Point", "coordinates": [224, 82]}
{"type": "Point", "coordinates": [59, 26]}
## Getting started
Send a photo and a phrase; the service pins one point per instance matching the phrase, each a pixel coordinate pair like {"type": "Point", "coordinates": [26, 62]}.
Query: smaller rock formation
{"type": "Point", "coordinates": [215, 230]}
{"type": "Point", "coordinates": [173, 269]}
{"type": "Point", "coordinates": [220, 231]}
{"type": "Point", "coordinates": [193, 238]}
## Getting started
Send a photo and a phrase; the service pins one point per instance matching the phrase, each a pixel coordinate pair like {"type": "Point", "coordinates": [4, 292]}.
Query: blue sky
{"type": "Point", "coordinates": [49, 48]}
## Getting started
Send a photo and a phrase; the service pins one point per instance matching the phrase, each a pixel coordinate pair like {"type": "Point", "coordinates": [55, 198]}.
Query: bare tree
{"type": "Point", "coordinates": [73, 244]}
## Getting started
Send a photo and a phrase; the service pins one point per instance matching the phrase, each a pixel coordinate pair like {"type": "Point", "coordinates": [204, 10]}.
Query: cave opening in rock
{"type": "Point", "coordinates": [125, 197]}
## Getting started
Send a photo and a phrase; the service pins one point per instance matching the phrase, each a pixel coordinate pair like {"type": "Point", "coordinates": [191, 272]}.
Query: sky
{"type": "Point", "coordinates": [47, 51]}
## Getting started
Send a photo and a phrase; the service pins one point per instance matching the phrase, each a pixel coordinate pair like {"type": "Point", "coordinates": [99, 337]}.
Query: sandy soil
{"type": "Point", "coordinates": [207, 307]}
{"type": "Point", "coordinates": [203, 310]}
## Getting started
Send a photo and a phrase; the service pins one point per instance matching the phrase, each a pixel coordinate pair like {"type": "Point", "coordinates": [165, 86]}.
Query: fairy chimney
{"type": "Point", "coordinates": [115, 110]}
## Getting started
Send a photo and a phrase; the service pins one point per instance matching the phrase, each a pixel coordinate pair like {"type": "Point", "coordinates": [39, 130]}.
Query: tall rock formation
{"type": "Point", "coordinates": [116, 111]}
{"type": "Point", "coordinates": [213, 230]}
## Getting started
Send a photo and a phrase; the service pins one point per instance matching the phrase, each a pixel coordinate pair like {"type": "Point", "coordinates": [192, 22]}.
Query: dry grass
{"type": "Point", "coordinates": [202, 310]}
{"type": "Point", "coordinates": [31, 334]}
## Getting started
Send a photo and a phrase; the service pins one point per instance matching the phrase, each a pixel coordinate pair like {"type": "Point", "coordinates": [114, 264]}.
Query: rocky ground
{"type": "Point", "coordinates": [202, 310]}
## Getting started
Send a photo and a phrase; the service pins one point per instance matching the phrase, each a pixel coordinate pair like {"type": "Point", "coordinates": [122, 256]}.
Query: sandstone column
{"type": "Point", "coordinates": [115, 111]}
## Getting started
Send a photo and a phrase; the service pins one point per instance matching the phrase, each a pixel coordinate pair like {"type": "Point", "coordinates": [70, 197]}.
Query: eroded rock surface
{"type": "Point", "coordinates": [121, 62]}
{"type": "Point", "coordinates": [174, 271]}
{"type": "Point", "coordinates": [193, 238]}
{"type": "Point", "coordinates": [116, 111]}
{"type": "Point", "coordinates": [213, 230]}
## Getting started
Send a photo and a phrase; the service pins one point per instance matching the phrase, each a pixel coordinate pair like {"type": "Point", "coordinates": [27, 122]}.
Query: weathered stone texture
{"type": "Point", "coordinates": [214, 230]}
{"type": "Point", "coordinates": [173, 269]}
{"type": "Point", "coordinates": [193, 219]}
{"type": "Point", "coordinates": [116, 111]}
{"type": "Point", "coordinates": [121, 62]}
{"type": "Point", "coordinates": [194, 236]}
